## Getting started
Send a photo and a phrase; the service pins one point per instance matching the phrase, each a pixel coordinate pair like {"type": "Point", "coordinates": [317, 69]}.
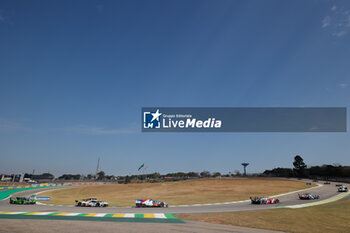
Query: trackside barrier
{"type": "Point", "coordinates": [14, 187]}
{"type": "Point", "coordinates": [34, 185]}
{"type": "Point", "coordinates": [86, 183]}
{"type": "Point", "coordinates": [42, 185]}
{"type": "Point", "coordinates": [49, 185]}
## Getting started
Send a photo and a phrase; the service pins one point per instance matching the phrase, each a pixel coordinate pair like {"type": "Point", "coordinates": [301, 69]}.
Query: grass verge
{"type": "Point", "coordinates": [8, 192]}
{"type": "Point", "coordinates": [331, 217]}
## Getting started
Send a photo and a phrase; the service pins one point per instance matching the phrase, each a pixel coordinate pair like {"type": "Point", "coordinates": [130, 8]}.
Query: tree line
{"type": "Point", "coordinates": [301, 170]}
{"type": "Point", "coordinates": [101, 176]}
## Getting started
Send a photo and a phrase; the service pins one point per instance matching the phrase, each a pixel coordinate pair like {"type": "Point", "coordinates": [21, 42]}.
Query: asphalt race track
{"type": "Point", "coordinates": [86, 224]}
{"type": "Point", "coordinates": [325, 191]}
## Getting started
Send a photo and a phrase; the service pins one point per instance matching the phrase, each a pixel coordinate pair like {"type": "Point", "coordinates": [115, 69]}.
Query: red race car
{"type": "Point", "coordinates": [264, 200]}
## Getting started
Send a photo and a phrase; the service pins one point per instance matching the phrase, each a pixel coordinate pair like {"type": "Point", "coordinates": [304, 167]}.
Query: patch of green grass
{"type": "Point", "coordinates": [8, 192]}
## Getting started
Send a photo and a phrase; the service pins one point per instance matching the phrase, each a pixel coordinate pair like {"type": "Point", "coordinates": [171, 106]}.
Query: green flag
{"type": "Point", "coordinates": [141, 166]}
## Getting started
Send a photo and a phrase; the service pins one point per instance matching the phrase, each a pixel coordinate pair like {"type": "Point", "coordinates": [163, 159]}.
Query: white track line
{"type": "Point", "coordinates": [44, 213]}
{"type": "Point", "coordinates": [325, 201]}
{"type": "Point", "coordinates": [18, 213]}
{"type": "Point", "coordinates": [72, 214]}
{"type": "Point", "coordinates": [129, 216]}
{"type": "Point", "coordinates": [100, 215]}
{"type": "Point", "coordinates": [159, 216]}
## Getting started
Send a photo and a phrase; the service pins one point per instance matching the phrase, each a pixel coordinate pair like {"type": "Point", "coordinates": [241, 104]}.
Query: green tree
{"type": "Point", "coordinates": [192, 174]}
{"type": "Point", "coordinates": [299, 166]}
{"type": "Point", "coordinates": [127, 180]}
{"type": "Point", "coordinates": [101, 175]}
{"type": "Point", "coordinates": [205, 174]}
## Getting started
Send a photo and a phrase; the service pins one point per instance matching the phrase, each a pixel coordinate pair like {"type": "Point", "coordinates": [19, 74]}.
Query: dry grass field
{"type": "Point", "coordinates": [331, 217]}
{"type": "Point", "coordinates": [178, 193]}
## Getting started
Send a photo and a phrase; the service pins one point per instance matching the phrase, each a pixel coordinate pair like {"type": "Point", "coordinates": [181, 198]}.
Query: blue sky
{"type": "Point", "coordinates": [75, 74]}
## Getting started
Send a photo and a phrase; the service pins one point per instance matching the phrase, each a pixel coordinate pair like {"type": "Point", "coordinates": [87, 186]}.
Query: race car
{"type": "Point", "coordinates": [22, 201]}
{"type": "Point", "coordinates": [150, 203]}
{"type": "Point", "coordinates": [264, 200]}
{"type": "Point", "coordinates": [327, 182]}
{"type": "Point", "coordinates": [342, 189]}
{"type": "Point", "coordinates": [308, 196]}
{"type": "Point", "coordinates": [91, 202]}
{"type": "Point", "coordinates": [83, 202]}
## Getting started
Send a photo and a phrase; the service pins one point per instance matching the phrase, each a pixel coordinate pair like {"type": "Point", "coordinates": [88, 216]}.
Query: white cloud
{"type": "Point", "coordinates": [337, 22]}
{"type": "Point", "coordinates": [326, 21]}
{"type": "Point", "coordinates": [13, 125]}
{"type": "Point", "coordinates": [343, 85]}
{"type": "Point", "coordinates": [314, 128]}
{"type": "Point", "coordinates": [347, 21]}
{"type": "Point", "coordinates": [339, 34]}
{"type": "Point", "coordinates": [98, 130]}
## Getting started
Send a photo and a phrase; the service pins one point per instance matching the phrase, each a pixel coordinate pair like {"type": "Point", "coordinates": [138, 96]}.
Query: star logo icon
{"type": "Point", "coordinates": [156, 115]}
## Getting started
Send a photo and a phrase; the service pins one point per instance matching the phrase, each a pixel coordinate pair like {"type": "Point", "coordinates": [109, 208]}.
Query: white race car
{"type": "Point", "coordinates": [150, 203]}
{"type": "Point", "coordinates": [91, 202]}
{"type": "Point", "coordinates": [342, 188]}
